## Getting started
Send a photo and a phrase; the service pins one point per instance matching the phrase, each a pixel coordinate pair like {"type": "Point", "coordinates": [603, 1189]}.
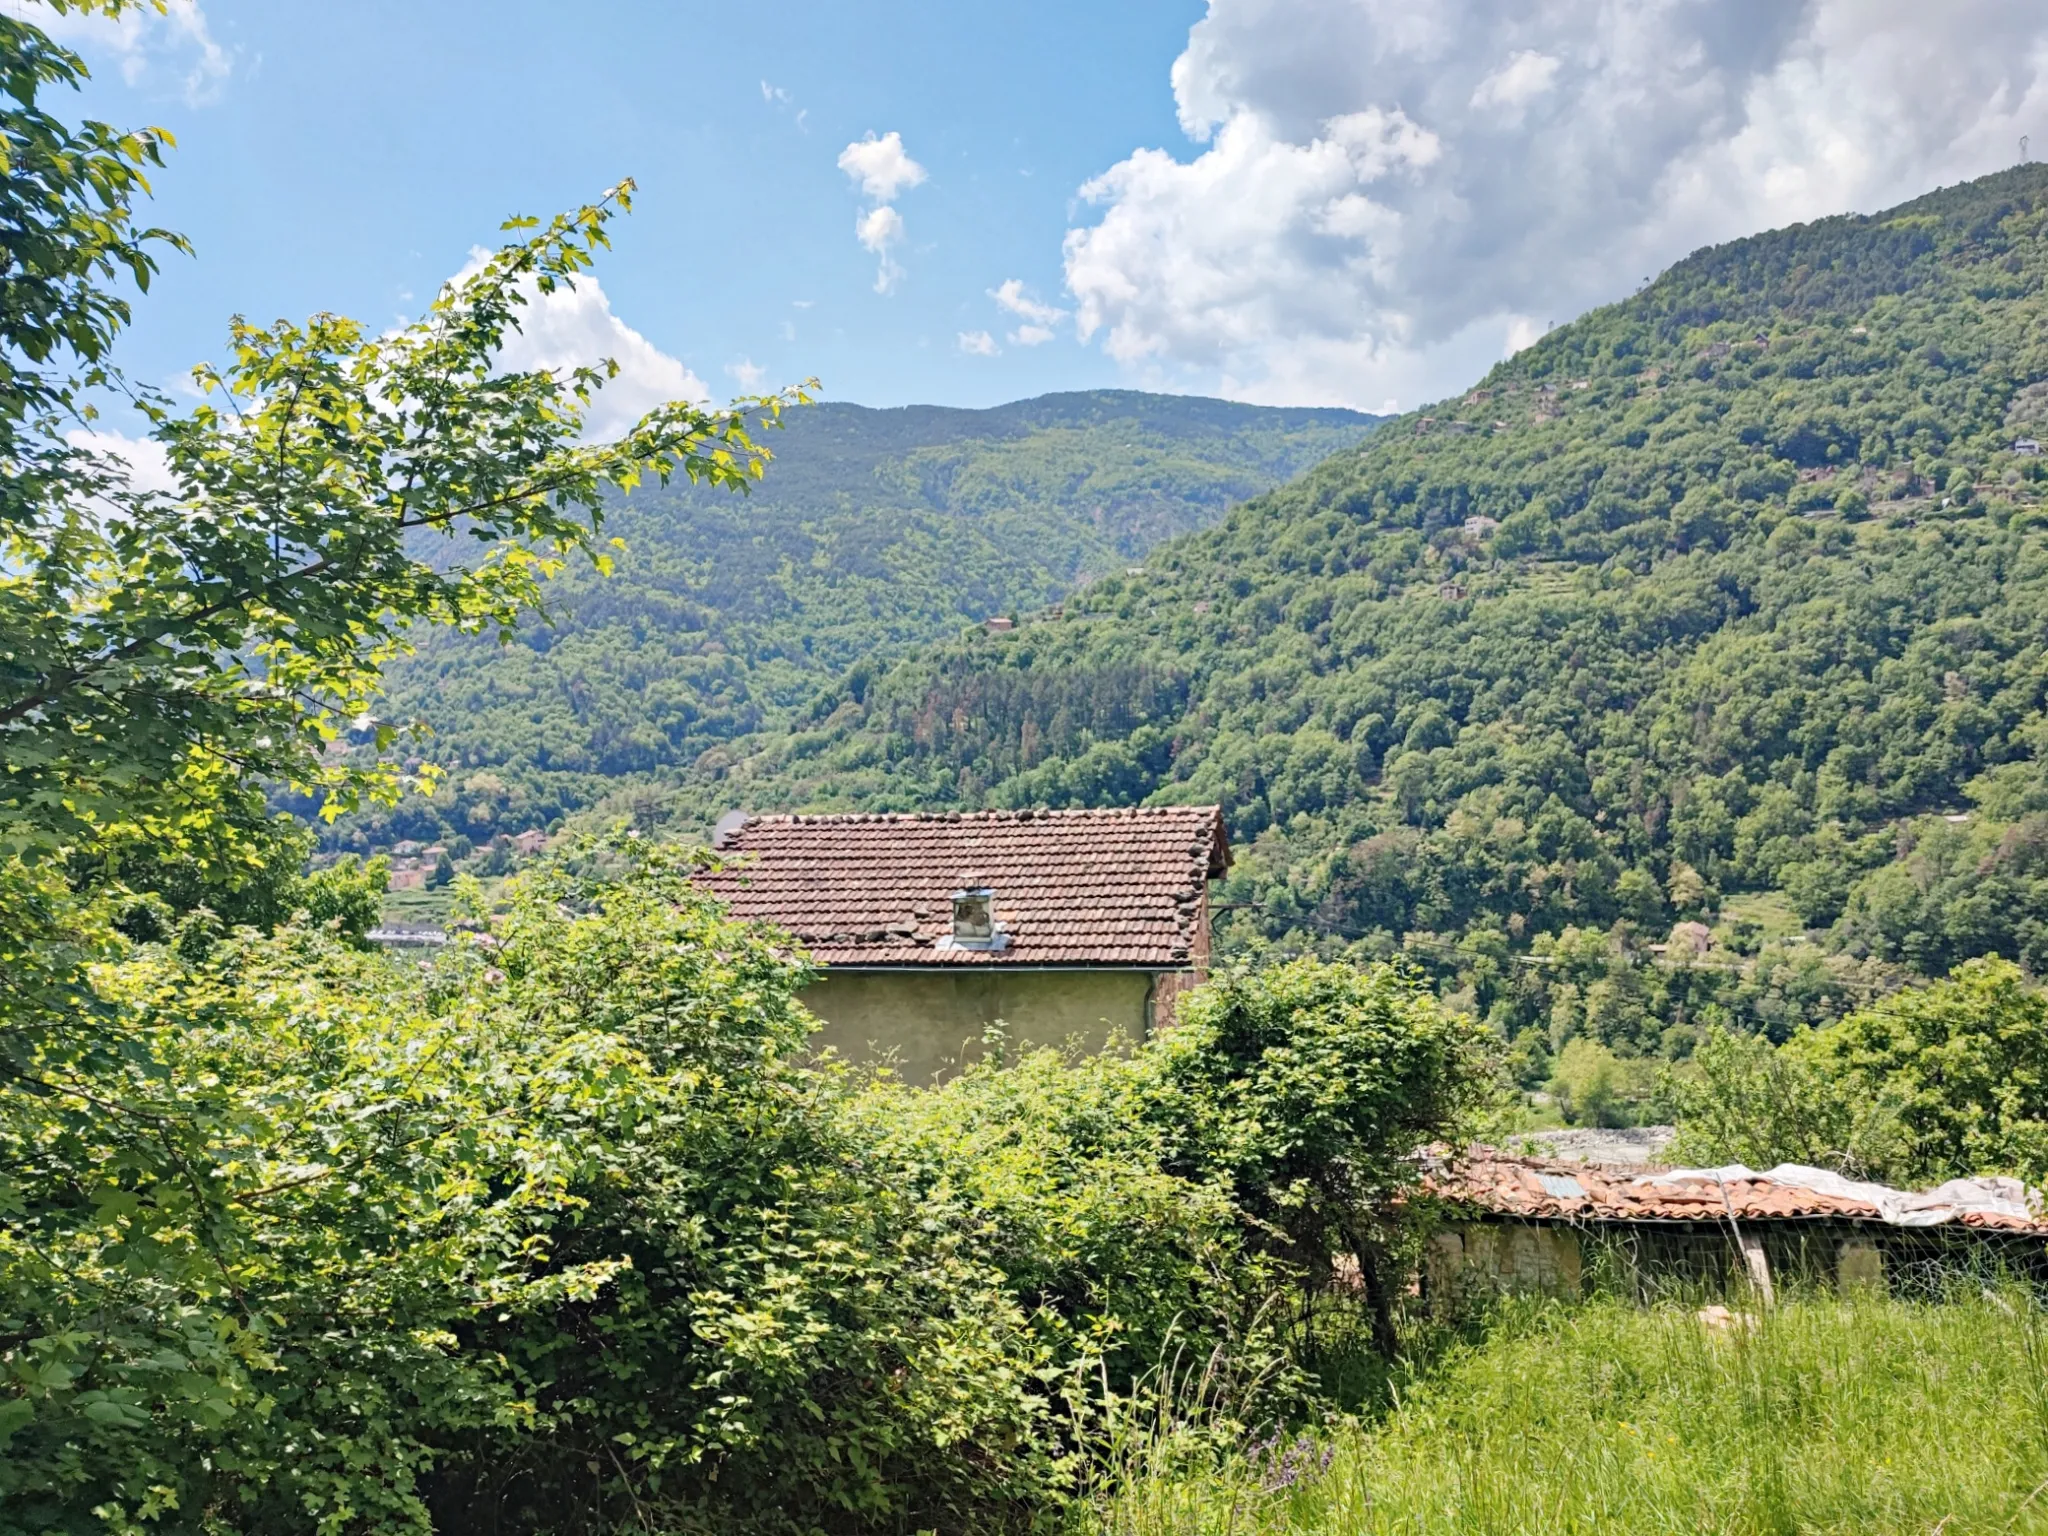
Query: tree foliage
{"type": "Point", "coordinates": [566, 1225]}
{"type": "Point", "coordinates": [161, 645]}
{"type": "Point", "coordinates": [879, 531]}
{"type": "Point", "coordinates": [1931, 1083]}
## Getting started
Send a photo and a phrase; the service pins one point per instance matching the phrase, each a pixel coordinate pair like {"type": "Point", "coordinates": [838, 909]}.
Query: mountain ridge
{"type": "Point", "coordinates": [875, 529]}
{"type": "Point", "coordinates": [1718, 603]}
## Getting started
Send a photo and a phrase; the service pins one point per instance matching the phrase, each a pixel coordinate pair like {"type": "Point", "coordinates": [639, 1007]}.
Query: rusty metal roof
{"type": "Point", "coordinates": [1072, 888]}
{"type": "Point", "coordinates": [1490, 1182]}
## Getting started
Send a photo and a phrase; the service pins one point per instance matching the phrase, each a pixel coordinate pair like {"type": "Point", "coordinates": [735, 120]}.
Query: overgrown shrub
{"type": "Point", "coordinates": [564, 1230]}
{"type": "Point", "coordinates": [1304, 1090]}
{"type": "Point", "coordinates": [1927, 1084]}
{"type": "Point", "coordinates": [1743, 1100]}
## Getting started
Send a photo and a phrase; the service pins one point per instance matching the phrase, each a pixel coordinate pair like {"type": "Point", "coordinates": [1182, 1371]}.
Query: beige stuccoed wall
{"type": "Point", "coordinates": [1509, 1256]}
{"type": "Point", "coordinates": [932, 1023]}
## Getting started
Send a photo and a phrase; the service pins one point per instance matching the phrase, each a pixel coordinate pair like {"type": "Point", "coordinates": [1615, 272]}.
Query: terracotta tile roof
{"type": "Point", "coordinates": [1492, 1183]}
{"type": "Point", "coordinates": [1092, 887]}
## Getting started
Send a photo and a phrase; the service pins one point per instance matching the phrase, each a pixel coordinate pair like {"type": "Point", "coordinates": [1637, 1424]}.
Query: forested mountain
{"type": "Point", "coordinates": [1724, 605]}
{"type": "Point", "coordinates": [872, 531]}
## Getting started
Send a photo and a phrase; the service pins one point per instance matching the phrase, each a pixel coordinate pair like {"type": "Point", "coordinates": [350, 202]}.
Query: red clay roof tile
{"type": "Point", "coordinates": [1485, 1180]}
{"type": "Point", "coordinates": [1089, 887]}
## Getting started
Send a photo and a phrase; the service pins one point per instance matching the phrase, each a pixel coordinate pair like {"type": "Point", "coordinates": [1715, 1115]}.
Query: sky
{"type": "Point", "coordinates": [1344, 202]}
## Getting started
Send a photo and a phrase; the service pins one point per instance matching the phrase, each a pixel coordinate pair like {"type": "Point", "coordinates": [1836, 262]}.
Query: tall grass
{"type": "Point", "coordinates": [1853, 1415]}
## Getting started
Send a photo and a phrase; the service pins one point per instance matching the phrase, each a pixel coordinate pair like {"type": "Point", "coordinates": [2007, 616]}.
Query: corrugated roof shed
{"type": "Point", "coordinates": [1073, 888]}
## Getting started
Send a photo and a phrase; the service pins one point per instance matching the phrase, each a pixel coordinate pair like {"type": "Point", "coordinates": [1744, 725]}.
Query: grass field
{"type": "Point", "coordinates": [1826, 1416]}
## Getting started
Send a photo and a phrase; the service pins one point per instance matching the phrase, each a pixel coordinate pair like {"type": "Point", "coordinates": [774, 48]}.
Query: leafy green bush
{"type": "Point", "coordinates": [566, 1221]}
{"type": "Point", "coordinates": [1965, 1060]}
{"type": "Point", "coordinates": [347, 896]}
{"type": "Point", "coordinates": [1304, 1089]}
{"type": "Point", "coordinates": [1927, 1084]}
{"type": "Point", "coordinates": [1743, 1100]}
{"type": "Point", "coordinates": [1593, 1086]}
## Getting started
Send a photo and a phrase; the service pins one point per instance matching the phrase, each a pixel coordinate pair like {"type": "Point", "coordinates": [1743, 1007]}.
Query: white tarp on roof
{"type": "Point", "coordinates": [1900, 1207]}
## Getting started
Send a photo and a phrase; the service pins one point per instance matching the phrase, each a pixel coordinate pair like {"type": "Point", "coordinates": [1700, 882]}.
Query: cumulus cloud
{"type": "Point", "coordinates": [1383, 197]}
{"type": "Point", "coordinates": [1038, 317]}
{"type": "Point", "coordinates": [880, 167]}
{"type": "Point", "coordinates": [978, 344]}
{"type": "Point", "coordinates": [574, 327]}
{"type": "Point", "coordinates": [883, 171]}
{"type": "Point", "coordinates": [747, 373]}
{"type": "Point", "coordinates": [880, 230]}
{"type": "Point", "coordinates": [150, 49]}
{"type": "Point", "coordinates": [1011, 296]}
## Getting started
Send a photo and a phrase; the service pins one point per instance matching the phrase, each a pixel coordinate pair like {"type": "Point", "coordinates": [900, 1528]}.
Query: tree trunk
{"type": "Point", "coordinates": [1379, 1301]}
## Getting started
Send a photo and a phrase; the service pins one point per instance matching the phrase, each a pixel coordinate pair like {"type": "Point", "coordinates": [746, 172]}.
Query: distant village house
{"type": "Point", "coordinates": [1069, 926]}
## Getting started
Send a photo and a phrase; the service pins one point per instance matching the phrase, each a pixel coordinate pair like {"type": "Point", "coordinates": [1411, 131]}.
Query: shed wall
{"type": "Point", "coordinates": [931, 1022]}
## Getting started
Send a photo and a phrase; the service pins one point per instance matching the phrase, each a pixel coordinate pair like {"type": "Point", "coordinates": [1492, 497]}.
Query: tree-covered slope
{"type": "Point", "coordinates": [1726, 602]}
{"type": "Point", "coordinates": [873, 530]}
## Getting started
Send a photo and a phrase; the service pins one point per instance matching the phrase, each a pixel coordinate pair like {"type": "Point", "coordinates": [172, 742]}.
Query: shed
{"type": "Point", "coordinates": [1525, 1223]}
{"type": "Point", "coordinates": [1069, 926]}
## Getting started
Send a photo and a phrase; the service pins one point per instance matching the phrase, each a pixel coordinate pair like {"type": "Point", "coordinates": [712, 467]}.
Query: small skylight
{"type": "Point", "coordinates": [1561, 1186]}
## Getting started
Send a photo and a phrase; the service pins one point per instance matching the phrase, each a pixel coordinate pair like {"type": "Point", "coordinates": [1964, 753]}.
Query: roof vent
{"type": "Point", "coordinates": [974, 915]}
{"type": "Point", "coordinates": [974, 921]}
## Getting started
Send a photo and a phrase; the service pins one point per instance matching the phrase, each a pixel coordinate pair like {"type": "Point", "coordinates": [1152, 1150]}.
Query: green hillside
{"type": "Point", "coordinates": [873, 531]}
{"type": "Point", "coordinates": [1724, 603]}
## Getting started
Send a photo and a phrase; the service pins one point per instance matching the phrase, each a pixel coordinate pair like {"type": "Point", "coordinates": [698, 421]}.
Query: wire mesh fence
{"type": "Point", "coordinates": [1725, 1261]}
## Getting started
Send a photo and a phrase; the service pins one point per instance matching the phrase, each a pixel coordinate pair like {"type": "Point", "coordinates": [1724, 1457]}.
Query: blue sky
{"type": "Point", "coordinates": [1360, 202]}
{"type": "Point", "coordinates": [349, 155]}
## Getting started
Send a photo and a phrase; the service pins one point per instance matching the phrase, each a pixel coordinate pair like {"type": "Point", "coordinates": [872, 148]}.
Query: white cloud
{"type": "Point", "coordinates": [1388, 196]}
{"type": "Point", "coordinates": [575, 326]}
{"type": "Point", "coordinates": [1518, 82]}
{"type": "Point", "coordinates": [747, 373]}
{"type": "Point", "coordinates": [1522, 332]}
{"type": "Point", "coordinates": [880, 229]}
{"type": "Point", "coordinates": [883, 172]}
{"type": "Point", "coordinates": [149, 48]}
{"type": "Point", "coordinates": [1039, 317]}
{"type": "Point", "coordinates": [149, 468]}
{"type": "Point", "coordinates": [978, 344]}
{"type": "Point", "coordinates": [880, 168]}
{"type": "Point", "coordinates": [1011, 296]}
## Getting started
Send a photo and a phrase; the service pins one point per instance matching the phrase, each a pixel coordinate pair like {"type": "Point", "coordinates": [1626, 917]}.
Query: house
{"type": "Point", "coordinates": [1689, 941]}
{"type": "Point", "coordinates": [1451, 591]}
{"type": "Point", "coordinates": [530, 842]}
{"type": "Point", "coordinates": [1066, 925]}
{"type": "Point", "coordinates": [2027, 447]}
{"type": "Point", "coordinates": [1526, 1223]}
{"type": "Point", "coordinates": [1479, 526]}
